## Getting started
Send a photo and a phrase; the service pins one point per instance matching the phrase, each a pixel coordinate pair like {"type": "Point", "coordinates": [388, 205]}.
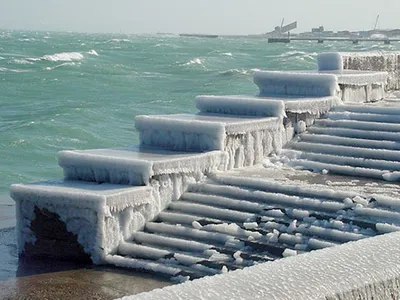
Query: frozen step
{"type": "Point", "coordinates": [339, 169]}
{"type": "Point", "coordinates": [358, 152]}
{"type": "Point", "coordinates": [83, 195]}
{"type": "Point", "coordinates": [169, 269]}
{"type": "Point", "coordinates": [368, 117]}
{"type": "Point", "coordinates": [95, 213]}
{"type": "Point", "coordinates": [360, 125]}
{"type": "Point", "coordinates": [281, 199]}
{"type": "Point", "coordinates": [198, 132]}
{"type": "Point", "coordinates": [296, 83]}
{"type": "Point", "coordinates": [184, 218]}
{"type": "Point", "coordinates": [355, 133]}
{"type": "Point", "coordinates": [210, 212]}
{"type": "Point", "coordinates": [353, 142]}
{"type": "Point", "coordinates": [349, 161]}
{"type": "Point", "coordinates": [142, 264]}
{"type": "Point", "coordinates": [178, 258]}
{"type": "Point", "coordinates": [368, 109]}
{"type": "Point", "coordinates": [264, 106]}
{"type": "Point", "coordinates": [169, 242]}
{"type": "Point", "coordinates": [134, 165]}
{"type": "Point", "coordinates": [231, 185]}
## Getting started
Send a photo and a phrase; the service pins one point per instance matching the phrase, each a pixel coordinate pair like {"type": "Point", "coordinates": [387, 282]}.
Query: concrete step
{"type": "Point", "coordinates": [90, 211]}
{"type": "Point", "coordinates": [135, 165]}
{"type": "Point", "coordinates": [274, 106]}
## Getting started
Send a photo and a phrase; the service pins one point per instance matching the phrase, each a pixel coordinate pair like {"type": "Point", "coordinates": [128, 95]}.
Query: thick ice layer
{"type": "Point", "coordinates": [268, 106]}
{"type": "Point", "coordinates": [330, 61]}
{"type": "Point", "coordinates": [296, 83]}
{"type": "Point", "coordinates": [101, 215]}
{"type": "Point", "coordinates": [135, 165]}
{"type": "Point", "coordinates": [342, 272]}
{"type": "Point", "coordinates": [375, 61]}
{"type": "Point", "coordinates": [246, 140]}
{"type": "Point", "coordinates": [241, 105]}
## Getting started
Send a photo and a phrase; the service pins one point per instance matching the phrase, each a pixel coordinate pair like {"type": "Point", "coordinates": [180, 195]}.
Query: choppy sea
{"type": "Point", "coordinates": [79, 91]}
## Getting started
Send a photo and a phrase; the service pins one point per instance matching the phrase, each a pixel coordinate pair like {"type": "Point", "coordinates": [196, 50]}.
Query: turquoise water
{"type": "Point", "coordinates": [79, 91]}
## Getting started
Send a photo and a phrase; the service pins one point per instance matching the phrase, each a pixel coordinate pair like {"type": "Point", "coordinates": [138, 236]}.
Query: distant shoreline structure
{"type": "Point", "coordinates": [199, 35]}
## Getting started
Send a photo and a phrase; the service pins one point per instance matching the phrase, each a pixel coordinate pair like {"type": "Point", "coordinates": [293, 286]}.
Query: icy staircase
{"type": "Point", "coordinates": [121, 203]}
{"type": "Point", "coordinates": [354, 140]}
{"type": "Point", "coordinates": [229, 223]}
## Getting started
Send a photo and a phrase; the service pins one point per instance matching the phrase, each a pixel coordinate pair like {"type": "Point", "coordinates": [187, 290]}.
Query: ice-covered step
{"type": "Point", "coordinates": [347, 141]}
{"type": "Point", "coordinates": [360, 125]}
{"type": "Point", "coordinates": [369, 117]}
{"type": "Point", "coordinates": [134, 165]}
{"type": "Point", "coordinates": [205, 132]}
{"type": "Point", "coordinates": [276, 106]}
{"type": "Point", "coordinates": [368, 109]}
{"type": "Point", "coordinates": [292, 201]}
{"type": "Point", "coordinates": [87, 209]}
{"type": "Point", "coordinates": [296, 83]}
{"type": "Point", "coordinates": [170, 269]}
{"type": "Point", "coordinates": [359, 152]}
{"type": "Point", "coordinates": [361, 162]}
{"type": "Point", "coordinates": [235, 185]}
{"type": "Point", "coordinates": [181, 258]}
{"type": "Point", "coordinates": [346, 170]}
{"type": "Point", "coordinates": [355, 133]}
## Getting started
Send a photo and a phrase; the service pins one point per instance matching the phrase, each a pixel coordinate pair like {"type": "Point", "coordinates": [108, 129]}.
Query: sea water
{"type": "Point", "coordinates": [80, 91]}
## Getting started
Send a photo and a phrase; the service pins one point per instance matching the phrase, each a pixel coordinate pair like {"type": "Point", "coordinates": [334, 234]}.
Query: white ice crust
{"type": "Point", "coordinates": [330, 61]}
{"type": "Point", "coordinates": [366, 269]}
{"type": "Point", "coordinates": [135, 165]}
{"type": "Point", "coordinates": [100, 215]}
{"type": "Point", "coordinates": [268, 106]}
{"type": "Point", "coordinates": [296, 83]}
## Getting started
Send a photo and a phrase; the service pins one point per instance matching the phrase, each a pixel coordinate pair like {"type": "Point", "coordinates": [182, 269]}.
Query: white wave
{"type": "Point", "coordinates": [93, 52]}
{"type": "Point", "coordinates": [2, 57]}
{"type": "Point", "coordinates": [64, 56]}
{"type": "Point", "coordinates": [292, 53]}
{"type": "Point", "coordinates": [12, 70]}
{"type": "Point", "coordinates": [118, 41]}
{"type": "Point", "coordinates": [195, 61]}
{"type": "Point", "coordinates": [22, 62]}
{"type": "Point", "coordinates": [61, 65]}
{"type": "Point", "coordinates": [232, 72]}
{"type": "Point", "coordinates": [227, 54]}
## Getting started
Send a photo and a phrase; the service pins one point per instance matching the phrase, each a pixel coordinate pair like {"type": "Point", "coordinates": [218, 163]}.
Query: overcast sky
{"type": "Point", "coordinates": [195, 16]}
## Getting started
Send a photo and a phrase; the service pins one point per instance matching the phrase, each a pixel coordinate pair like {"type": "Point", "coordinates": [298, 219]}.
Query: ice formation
{"type": "Point", "coordinates": [333, 273]}
{"type": "Point", "coordinates": [330, 61]}
{"type": "Point", "coordinates": [296, 84]}
{"type": "Point", "coordinates": [224, 222]}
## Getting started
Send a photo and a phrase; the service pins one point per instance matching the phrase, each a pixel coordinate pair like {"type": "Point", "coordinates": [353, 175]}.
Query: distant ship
{"type": "Point", "coordinates": [199, 35]}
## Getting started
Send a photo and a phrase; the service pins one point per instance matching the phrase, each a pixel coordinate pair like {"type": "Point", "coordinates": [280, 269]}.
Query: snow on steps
{"type": "Point", "coordinates": [231, 222]}
{"type": "Point", "coordinates": [355, 140]}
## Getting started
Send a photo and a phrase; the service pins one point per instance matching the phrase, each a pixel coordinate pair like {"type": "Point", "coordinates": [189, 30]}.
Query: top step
{"type": "Point", "coordinates": [265, 106]}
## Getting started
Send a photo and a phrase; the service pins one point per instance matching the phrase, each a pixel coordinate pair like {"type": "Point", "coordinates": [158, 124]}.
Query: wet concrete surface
{"type": "Point", "coordinates": [45, 279]}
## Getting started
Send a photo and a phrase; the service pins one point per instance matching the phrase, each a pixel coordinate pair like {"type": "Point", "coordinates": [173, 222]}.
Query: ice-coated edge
{"type": "Point", "coordinates": [375, 61]}
{"type": "Point", "coordinates": [329, 61]}
{"type": "Point", "coordinates": [99, 215]}
{"type": "Point", "coordinates": [69, 159]}
{"type": "Point", "coordinates": [366, 269]}
{"type": "Point", "coordinates": [296, 83]}
{"type": "Point", "coordinates": [240, 105]}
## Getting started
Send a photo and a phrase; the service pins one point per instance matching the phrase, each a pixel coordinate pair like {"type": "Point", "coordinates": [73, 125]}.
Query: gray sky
{"type": "Point", "coordinates": [195, 16]}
